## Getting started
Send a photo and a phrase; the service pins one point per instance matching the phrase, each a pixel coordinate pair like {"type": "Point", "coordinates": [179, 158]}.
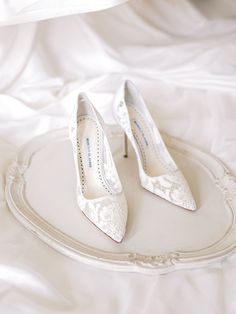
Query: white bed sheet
{"type": "Point", "coordinates": [181, 54]}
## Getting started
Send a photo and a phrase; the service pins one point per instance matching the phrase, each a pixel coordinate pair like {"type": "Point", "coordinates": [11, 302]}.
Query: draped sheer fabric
{"type": "Point", "coordinates": [181, 55]}
{"type": "Point", "coordinates": [15, 12]}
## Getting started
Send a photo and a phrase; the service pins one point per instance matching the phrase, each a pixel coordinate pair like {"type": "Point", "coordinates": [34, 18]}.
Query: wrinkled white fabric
{"type": "Point", "coordinates": [181, 55]}
{"type": "Point", "coordinates": [15, 11]}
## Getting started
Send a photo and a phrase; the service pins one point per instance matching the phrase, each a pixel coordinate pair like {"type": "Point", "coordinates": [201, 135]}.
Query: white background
{"type": "Point", "coordinates": [182, 56]}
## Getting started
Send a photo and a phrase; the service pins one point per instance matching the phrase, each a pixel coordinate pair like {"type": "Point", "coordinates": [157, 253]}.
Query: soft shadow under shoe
{"type": "Point", "coordinates": [158, 171]}
{"type": "Point", "coordinates": [99, 191]}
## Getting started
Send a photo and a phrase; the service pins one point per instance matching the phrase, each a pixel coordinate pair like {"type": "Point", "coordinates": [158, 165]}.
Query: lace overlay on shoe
{"type": "Point", "coordinates": [172, 187]}
{"type": "Point", "coordinates": [99, 190]}
{"type": "Point", "coordinates": [157, 170]}
{"type": "Point", "coordinates": [108, 169]}
{"type": "Point", "coordinates": [107, 214]}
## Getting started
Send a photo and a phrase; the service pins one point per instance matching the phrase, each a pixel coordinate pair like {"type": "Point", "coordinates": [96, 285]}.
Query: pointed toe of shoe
{"type": "Point", "coordinates": [113, 221]}
{"type": "Point", "coordinates": [109, 215]}
{"type": "Point", "coordinates": [186, 202]}
{"type": "Point", "coordinates": [173, 188]}
{"type": "Point", "coordinates": [190, 204]}
{"type": "Point", "coordinates": [182, 194]}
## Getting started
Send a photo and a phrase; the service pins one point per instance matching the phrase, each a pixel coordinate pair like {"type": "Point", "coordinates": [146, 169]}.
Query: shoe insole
{"type": "Point", "coordinates": [90, 139]}
{"type": "Point", "coordinates": [152, 161]}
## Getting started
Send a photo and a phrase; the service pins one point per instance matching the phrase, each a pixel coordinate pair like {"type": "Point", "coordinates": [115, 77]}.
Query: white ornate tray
{"type": "Point", "coordinates": [160, 237]}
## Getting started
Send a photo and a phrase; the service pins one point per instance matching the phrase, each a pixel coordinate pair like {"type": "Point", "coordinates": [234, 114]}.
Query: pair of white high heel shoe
{"type": "Point", "coordinates": [99, 191]}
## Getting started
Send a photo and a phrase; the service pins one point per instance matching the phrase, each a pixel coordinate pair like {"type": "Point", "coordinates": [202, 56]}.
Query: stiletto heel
{"type": "Point", "coordinates": [125, 145]}
{"type": "Point", "coordinates": [158, 171]}
{"type": "Point", "coordinates": [99, 192]}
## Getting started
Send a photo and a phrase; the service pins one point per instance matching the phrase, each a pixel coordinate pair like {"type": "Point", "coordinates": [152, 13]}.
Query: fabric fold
{"type": "Point", "coordinates": [16, 12]}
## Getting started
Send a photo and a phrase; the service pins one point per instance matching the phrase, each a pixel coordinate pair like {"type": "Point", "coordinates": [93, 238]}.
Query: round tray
{"type": "Point", "coordinates": [160, 237]}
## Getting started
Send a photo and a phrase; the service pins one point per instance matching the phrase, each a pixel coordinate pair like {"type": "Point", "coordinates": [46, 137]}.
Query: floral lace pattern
{"type": "Point", "coordinates": [172, 187]}
{"type": "Point", "coordinates": [123, 118]}
{"type": "Point", "coordinates": [108, 213]}
{"type": "Point", "coordinates": [109, 170]}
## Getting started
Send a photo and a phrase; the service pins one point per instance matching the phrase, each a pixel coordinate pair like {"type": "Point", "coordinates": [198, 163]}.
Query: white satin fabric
{"type": "Point", "coordinates": [181, 55]}
{"type": "Point", "coordinates": [15, 11]}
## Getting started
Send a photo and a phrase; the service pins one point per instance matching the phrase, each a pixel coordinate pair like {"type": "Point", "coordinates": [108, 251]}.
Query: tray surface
{"type": "Point", "coordinates": [160, 237]}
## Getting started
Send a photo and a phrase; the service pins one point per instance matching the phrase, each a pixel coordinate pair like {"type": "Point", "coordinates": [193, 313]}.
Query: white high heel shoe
{"type": "Point", "coordinates": [99, 191]}
{"type": "Point", "coordinates": [158, 172]}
